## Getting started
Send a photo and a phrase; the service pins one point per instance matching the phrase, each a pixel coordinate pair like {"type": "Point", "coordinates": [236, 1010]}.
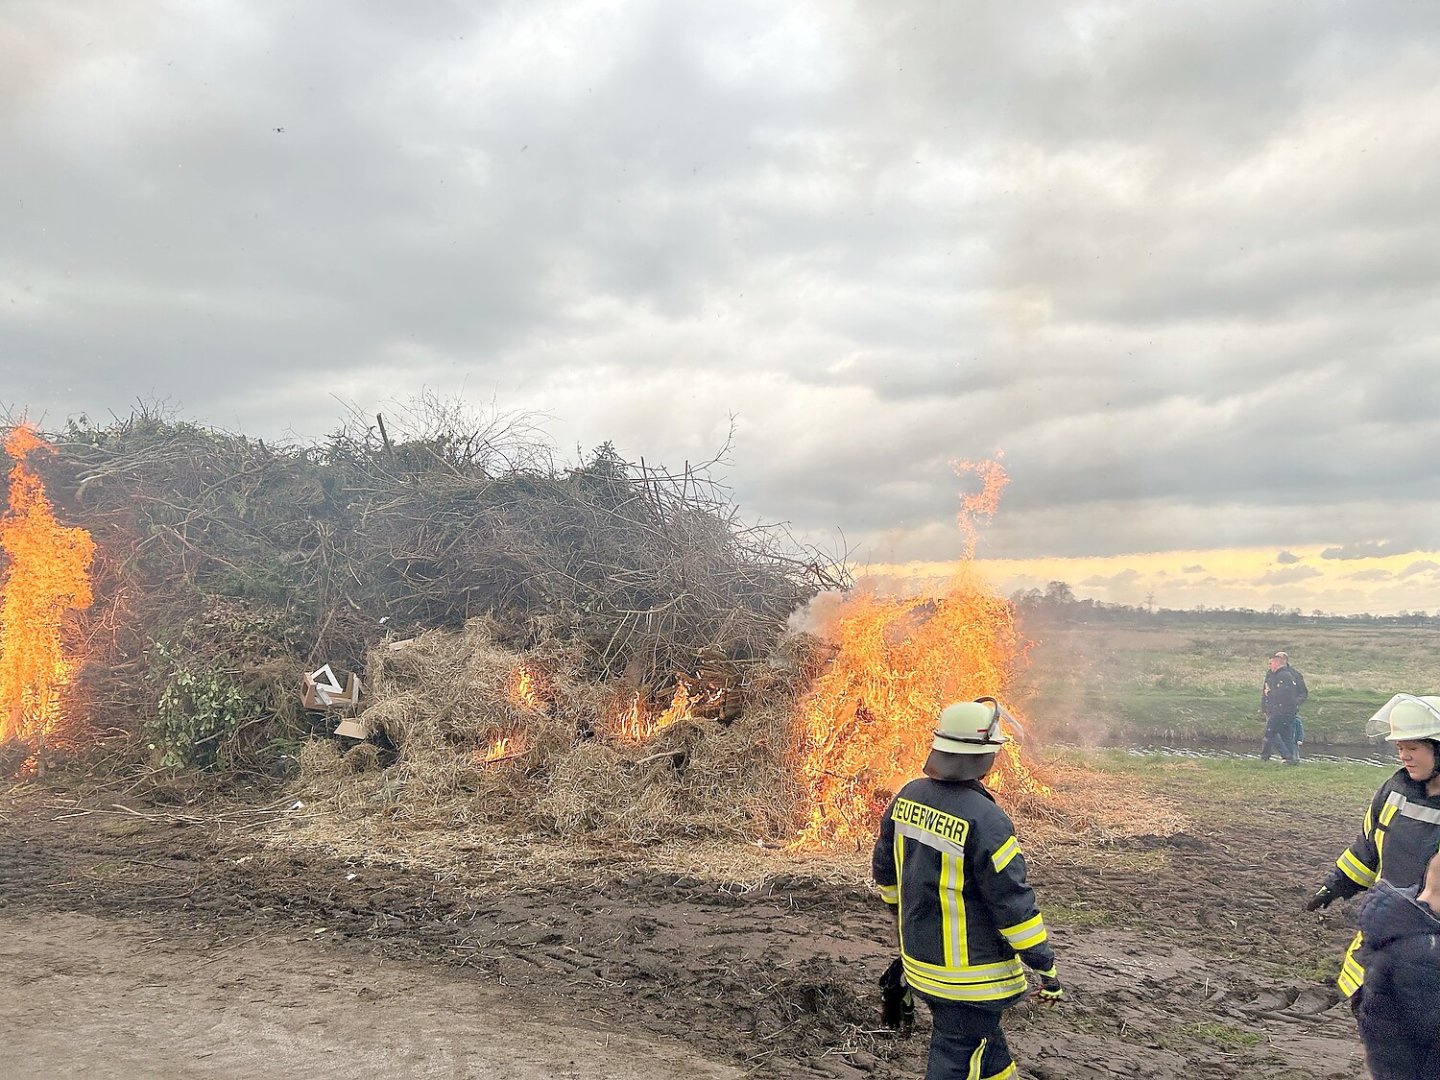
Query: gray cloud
{"type": "Point", "coordinates": [1123, 577]}
{"type": "Point", "coordinates": [1368, 549]}
{"type": "Point", "coordinates": [1288, 576]}
{"type": "Point", "coordinates": [1371, 575]}
{"type": "Point", "coordinates": [1428, 567]}
{"type": "Point", "coordinates": [1180, 263]}
{"type": "Point", "coordinates": [1286, 557]}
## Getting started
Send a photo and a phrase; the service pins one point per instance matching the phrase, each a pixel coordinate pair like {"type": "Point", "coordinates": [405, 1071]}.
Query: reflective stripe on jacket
{"type": "Point", "coordinates": [1400, 834]}
{"type": "Point", "coordinates": [948, 858]}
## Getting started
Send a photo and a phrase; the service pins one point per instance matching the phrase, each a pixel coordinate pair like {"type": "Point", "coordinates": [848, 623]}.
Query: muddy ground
{"type": "Point", "coordinates": [1185, 956]}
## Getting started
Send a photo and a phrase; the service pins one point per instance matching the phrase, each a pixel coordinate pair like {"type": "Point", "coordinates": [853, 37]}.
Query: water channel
{"type": "Point", "coordinates": [1377, 755]}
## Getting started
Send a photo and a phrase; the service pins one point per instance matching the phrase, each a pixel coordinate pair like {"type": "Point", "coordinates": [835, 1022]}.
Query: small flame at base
{"type": "Point", "coordinates": [502, 749]}
{"type": "Point", "coordinates": [636, 724]}
{"type": "Point", "coordinates": [530, 688]}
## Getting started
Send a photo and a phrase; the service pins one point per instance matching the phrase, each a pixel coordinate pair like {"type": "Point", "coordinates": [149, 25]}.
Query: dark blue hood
{"type": "Point", "coordinates": [1388, 914]}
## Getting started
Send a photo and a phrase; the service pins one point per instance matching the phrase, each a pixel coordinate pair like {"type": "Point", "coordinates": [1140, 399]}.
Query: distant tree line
{"type": "Point", "coordinates": [1058, 601]}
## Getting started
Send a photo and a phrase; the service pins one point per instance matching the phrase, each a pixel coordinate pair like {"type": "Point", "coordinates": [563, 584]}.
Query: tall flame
{"type": "Point", "coordinates": [47, 575]}
{"type": "Point", "coordinates": [866, 725]}
{"type": "Point", "coordinates": [982, 503]}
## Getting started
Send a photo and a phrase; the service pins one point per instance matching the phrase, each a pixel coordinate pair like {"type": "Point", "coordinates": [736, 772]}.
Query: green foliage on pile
{"type": "Point", "coordinates": [197, 715]}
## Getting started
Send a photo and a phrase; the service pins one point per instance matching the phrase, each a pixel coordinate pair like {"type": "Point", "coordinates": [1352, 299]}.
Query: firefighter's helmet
{"type": "Point", "coordinates": [1405, 717]}
{"type": "Point", "coordinates": [971, 727]}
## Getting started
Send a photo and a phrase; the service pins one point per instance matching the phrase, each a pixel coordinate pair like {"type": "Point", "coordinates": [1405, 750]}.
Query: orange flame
{"type": "Point", "coordinates": [530, 689]}
{"type": "Point", "coordinates": [47, 575]}
{"type": "Point", "coordinates": [502, 749]}
{"type": "Point", "coordinates": [984, 502]}
{"type": "Point", "coordinates": [636, 724]}
{"type": "Point", "coordinates": [866, 725]}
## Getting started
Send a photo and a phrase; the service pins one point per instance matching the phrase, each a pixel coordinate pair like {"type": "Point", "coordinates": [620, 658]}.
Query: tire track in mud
{"type": "Point", "coordinates": [1186, 976]}
{"type": "Point", "coordinates": [769, 978]}
{"type": "Point", "coordinates": [1216, 952]}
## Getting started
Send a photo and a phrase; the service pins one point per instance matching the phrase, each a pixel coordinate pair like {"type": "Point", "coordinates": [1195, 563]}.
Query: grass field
{"type": "Point", "coordinates": [1231, 788]}
{"type": "Point", "coordinates": [1145, 680]}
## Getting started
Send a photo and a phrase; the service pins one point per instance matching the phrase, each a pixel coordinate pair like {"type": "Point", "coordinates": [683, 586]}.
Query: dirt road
{"type": "Point", "coordinates": [187, 935]}
{"type": "Point", "coordinates": [82, 996]}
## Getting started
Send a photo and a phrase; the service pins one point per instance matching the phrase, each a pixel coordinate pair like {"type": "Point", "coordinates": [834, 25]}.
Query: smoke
{"type": "Point", "coordinates": [819, 616]}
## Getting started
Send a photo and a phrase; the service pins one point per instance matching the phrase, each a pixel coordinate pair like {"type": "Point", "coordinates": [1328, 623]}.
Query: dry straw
{"type": "Point", "coordinates": [698, 798]}
{"type": "Point", "coordinates": [441, 700]}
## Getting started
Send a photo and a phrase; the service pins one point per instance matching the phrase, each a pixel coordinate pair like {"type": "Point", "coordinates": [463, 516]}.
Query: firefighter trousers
{"type": "Point", "coordinates": [966, 1042]}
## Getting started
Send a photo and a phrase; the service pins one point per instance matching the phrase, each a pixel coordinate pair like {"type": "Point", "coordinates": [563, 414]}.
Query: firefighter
{"type": "Point", "coordinates": [1401, 832]}
{"type": "Point", "coordinates": [948, 864]}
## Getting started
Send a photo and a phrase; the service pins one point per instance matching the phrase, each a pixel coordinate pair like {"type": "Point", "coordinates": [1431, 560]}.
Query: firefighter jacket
{"type": "Point", "coordinates": [1283, 694]}
{"type": "Point", "coordinates": [1400, 835]}
{"type": "Point", "coordinates": [948, 860]}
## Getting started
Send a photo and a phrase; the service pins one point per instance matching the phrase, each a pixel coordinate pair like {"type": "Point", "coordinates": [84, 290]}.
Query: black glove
{"type": "Point", "coordinates": [1323, 897]}
{"type": "Point", "coordinates": [1050, 990]}
{"type": "Point", "coordinates": [897, 1004]}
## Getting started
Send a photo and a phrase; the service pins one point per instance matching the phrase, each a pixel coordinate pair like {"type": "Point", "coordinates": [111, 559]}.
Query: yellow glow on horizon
{"type": "Point", "coordinates": [1256, 578]}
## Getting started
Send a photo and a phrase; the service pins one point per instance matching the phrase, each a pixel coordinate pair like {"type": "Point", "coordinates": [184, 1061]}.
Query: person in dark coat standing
{"type": "Point", "coordinates": [1280, 700]}
{"type": "Point", "coordinates": [1399, 1005]}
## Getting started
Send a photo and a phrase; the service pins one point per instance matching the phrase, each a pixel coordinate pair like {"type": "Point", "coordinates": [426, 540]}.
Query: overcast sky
{"type": "Point", "coordinates": [1178, 261]}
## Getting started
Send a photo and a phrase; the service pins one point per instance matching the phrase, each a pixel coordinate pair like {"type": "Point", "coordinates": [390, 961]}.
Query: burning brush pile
{"type": "Point", "coordinates": [600, 651]}
{"type": "Point", "coordinates": [225, 567]}
{"type": "Point", "coordinates": [46, 579]}
{"type": "Point", "coordinates": [828, 725]}
{"type": "Point", "coordinates": [523, 744]}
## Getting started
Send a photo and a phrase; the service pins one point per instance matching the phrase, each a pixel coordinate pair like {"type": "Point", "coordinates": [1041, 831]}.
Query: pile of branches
{"type": "Point", "coordinates": [240, 563]}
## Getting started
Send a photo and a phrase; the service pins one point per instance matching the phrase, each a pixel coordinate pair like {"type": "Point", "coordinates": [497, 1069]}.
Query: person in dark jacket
{"type": "Point", "coordinates": [1401, 831]}
{"type": "Point", "coordinates": [948, 864]}
{"type": "Point", "coordinates": [1280, 700]}
{"type": "Point", "coordinates": [1399, 1006]}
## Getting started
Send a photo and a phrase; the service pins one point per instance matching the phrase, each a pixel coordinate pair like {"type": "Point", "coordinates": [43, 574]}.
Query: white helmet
{"type": "Point", "coordinates": [1406, 716]}
{"type": "Point", "coordinates": [972, 727]}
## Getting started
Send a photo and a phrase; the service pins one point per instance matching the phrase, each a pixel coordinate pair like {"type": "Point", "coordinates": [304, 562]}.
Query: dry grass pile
{"type": "Point", "coordinates": [701, 796]}
{"type": "Point", "coordinates": [1088, 807]}
{"type": "Point", "coordinates": [1088, 814]}
{"type": "Point", "coordinates": [469, 752]}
